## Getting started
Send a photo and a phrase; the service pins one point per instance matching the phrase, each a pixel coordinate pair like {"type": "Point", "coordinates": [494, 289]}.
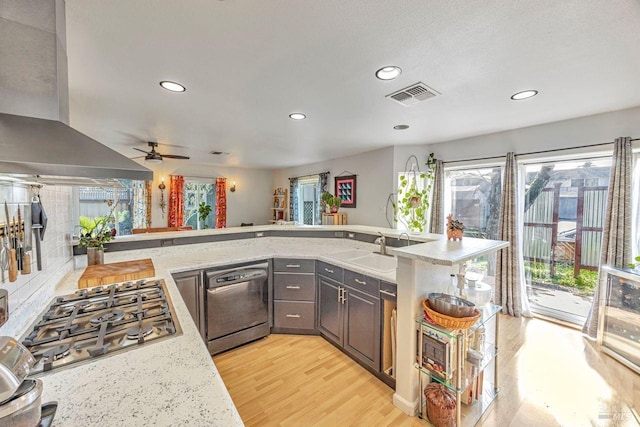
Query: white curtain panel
{"type": "Point", "coordinates": [436, 223]}
{"type": "Point", "coordinates": [616, 235]}
{"type": "Point", "coordinates": [510, 284]}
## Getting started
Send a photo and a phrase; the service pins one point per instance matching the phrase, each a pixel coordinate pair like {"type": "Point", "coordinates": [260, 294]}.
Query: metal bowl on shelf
{"type": "Point", "coordinates": [450, 305]}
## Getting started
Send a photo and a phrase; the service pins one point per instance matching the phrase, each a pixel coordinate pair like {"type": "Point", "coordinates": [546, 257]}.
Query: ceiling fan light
{"type": "Point", "coordinates": [154, 160]}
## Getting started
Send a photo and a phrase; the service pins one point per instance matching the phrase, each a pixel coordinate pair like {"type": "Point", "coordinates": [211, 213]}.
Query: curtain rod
{"type": "Point", "coordinates": [536, 152]}
{"type": "Point", "coordinates": [309, 175]}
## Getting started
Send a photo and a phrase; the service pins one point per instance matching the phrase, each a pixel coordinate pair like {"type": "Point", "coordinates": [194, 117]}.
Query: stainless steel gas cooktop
{"type": "Point", "coordinates": [91, 323]}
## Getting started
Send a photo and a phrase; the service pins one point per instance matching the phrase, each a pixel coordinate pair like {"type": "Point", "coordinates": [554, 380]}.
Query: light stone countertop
{"type": "Point", "coordinates": [171, 382]}
{"type": "Point", "coordinates": [446, 252]}
{"type": "Point", "coordinates": [174, 382]}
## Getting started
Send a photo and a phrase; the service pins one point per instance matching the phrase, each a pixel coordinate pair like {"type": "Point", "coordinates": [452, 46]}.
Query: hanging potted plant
{"type": "Point", "coordinates": [412, 204]}
{"type": "Point", "coordinates": [95, 232]}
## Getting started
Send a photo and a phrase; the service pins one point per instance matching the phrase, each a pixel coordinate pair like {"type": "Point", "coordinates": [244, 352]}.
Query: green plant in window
{"type": "Point", "coordinates": [95, 232]}
{"type": "Point", "coordinates": [412, 204]}
{"type": "Point", "coordinates": [203, 212]}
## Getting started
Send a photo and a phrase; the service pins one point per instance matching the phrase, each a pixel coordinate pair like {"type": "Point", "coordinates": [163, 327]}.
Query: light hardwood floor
{"type": "Point", "coordinates": [549, 376]}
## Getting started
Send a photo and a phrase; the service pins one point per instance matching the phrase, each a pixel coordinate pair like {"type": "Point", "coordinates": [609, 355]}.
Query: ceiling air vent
{"type": "Point", "coordinates": [412, 94]}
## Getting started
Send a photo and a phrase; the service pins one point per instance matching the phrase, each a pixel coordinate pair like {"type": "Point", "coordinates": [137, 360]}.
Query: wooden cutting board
{"type": "Point", "coordinates": [105, 274]}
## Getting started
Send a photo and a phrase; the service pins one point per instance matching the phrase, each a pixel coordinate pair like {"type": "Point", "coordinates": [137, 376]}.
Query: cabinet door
{"type": "Point", "coordinates": [362, 327]}
{"type": "Point", "coordinates": [330, 309]}
{"type": "Point", "coordinates": [188, 284]}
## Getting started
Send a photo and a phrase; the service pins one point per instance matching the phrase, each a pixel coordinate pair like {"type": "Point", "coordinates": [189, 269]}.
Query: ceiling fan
{"type": "Point", "coordinates": [154, 157]}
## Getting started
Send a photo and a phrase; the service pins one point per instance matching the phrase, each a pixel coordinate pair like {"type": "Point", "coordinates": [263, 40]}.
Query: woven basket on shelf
{"type": "Point", "coordinates": [448, 321]}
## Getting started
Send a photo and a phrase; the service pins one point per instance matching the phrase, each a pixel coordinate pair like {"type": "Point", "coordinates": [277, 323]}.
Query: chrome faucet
{"type": "Point", "coordinates": [382, 241]}
{"type": "Point", "coordinates": [404, 233]}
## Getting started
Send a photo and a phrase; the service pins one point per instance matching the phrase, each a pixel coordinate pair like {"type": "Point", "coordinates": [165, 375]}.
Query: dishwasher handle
{"type": "Point", "coordinates": [216, 280]}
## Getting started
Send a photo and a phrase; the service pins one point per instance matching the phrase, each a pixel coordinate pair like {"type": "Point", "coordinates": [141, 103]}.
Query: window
{"type": "Point", "coordinates": [130, 211]}
{"type": "Point", "coordinates": [196, 193]}
{"type": "Point", "coordinates": [308, 200]}
{"type": "Point", "coordinates": [564, 206]}
{"type": "Point", "coordinates": [473, 196]}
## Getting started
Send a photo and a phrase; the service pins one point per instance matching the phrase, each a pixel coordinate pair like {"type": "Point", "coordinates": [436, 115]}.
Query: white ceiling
{"type": "Point", "coordinates": [248, 64]}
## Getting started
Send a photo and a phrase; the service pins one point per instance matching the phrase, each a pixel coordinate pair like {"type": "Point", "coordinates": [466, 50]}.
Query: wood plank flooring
{"type": "Point", "coordinates": [549, 376]}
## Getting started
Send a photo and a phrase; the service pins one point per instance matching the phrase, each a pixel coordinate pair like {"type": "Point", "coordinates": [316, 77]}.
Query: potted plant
{"type": "Point", "coordinates": [412, 203]}
{"type": "Point", "coordinates": [203, 212]}
{"type": "Point", "coordinates": [95, 232]}
{"type": "Point", "coordinates": [333, 202]}
{"type": "Point", "coordinates": [455, 228]}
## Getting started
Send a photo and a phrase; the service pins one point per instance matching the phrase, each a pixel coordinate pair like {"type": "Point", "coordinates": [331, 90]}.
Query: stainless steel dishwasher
{"type": "Point", "coordinates": [237, 306]}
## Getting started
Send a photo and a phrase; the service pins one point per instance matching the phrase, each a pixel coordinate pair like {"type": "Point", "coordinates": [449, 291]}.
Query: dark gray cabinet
{"type": "Point", "coordinates": [349, 317]}
{"type": "Point", "coordinates": [362, 327]}
{"type": "Point", "coordinates": [294, 296]}
{"type": "Point", "coordinates": [330, 309]}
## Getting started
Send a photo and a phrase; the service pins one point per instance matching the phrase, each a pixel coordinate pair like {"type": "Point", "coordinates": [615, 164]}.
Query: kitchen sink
{"type": "Point", "coordinates": [382, 263]}
{"type": "Point", "coordinates": [367, 259]}
{"type": "Point", "coordinates": [349, 254]}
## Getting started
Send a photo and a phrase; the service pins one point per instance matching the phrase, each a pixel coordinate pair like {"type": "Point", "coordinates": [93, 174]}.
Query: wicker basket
{"type": "Point", "coordinates": [441, 405]}
{"type": "Point", "coordinates": [448, 321]}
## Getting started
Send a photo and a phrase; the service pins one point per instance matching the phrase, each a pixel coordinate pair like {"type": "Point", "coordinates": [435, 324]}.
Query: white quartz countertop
{"type": "Point", "coordinates": [448, 252]}
{"type": "Point", "coordinates": [174, 382]}
{"type": "Point", "coordinates": [171, 382]}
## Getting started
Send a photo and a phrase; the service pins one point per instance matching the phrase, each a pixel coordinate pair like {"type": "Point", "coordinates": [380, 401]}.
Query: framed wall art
{"type": "Point", "coordinates": [346, 190]}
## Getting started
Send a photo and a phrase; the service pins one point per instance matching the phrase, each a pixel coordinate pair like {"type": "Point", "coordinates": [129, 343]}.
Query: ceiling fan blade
{"type": "Point", "coordinates": [137, 157]}
{"type": "Point", "coordinates": [175, 156]}
{"type": "Point", "coordinates": [142, 151]}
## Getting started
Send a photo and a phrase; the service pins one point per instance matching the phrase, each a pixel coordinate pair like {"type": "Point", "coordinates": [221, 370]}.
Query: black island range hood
{"type": "Point", "coordinates": [34, 147]}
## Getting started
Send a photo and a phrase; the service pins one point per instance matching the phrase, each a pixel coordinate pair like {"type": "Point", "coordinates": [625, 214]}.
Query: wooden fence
{"type": "Point", "coordinates": [541, 242]}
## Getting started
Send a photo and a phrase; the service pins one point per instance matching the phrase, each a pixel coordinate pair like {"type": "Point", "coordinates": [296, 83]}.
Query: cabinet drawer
{"type": "Point", "coordinates": [289, 265]}
{"type": "Point", "coordinates": [330, 271]}
{"type": "Point", "coordinates": [388, 291]}
{"type": "Point", "coordinates": [295, 287]}
{"type": "Point", "coordinates": [363, 283]}
{"type": "Point", "coordinates": [293, 314]}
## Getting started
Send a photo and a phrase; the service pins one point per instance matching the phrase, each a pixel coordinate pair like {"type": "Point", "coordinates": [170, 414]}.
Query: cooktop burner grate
{"type": "Point", "coordinates": [94, 322]}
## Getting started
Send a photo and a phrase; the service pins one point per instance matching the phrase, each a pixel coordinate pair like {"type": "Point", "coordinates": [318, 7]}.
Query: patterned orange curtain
{"type": "Point", "coordinates": [176, 201]}
{"type": "Point", "coordinates": [221, 202]}
{"type": "Point", "coordinates": [147, 196]}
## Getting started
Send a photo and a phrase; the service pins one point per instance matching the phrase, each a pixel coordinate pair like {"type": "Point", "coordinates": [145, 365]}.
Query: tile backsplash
{"type": "Point", "coordinates": [30, 293]}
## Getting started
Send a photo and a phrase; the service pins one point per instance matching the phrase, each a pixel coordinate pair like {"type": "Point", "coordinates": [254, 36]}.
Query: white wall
{"type": "Point", "coordinates": [586, 130]}
{"type": "Point", "coordinates": [374, 182]}
{"type": "Point", "coordinates": [251, 202]}
{"type": "Point", "coordinates": [30, 293]}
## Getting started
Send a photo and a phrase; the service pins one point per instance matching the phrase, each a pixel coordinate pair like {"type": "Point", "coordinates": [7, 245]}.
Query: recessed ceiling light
{"type": "Point", "coordinates": [297, 116]}
{"type": "Point", "coordinates": [172, 86]}
{"type": "Point", "coordinates": [401, 127]}
{"type": "Point", "coordinates": [524, 94]}
{"type": "Point", "coordinates": [389, 72]}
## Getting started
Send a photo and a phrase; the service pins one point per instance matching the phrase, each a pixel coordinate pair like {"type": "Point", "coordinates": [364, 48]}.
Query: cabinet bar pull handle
{"type": "Point", "coordinates": [391, 294]}
{"type": "Point", "coordinates": [339, 294]}
{"type": "Point", "coordinates": [327, 270]}
{"type": "Point", "coordinates": [293, 287]}
{"type": "Point", "coordinates": [296, 316]}
{"type": "Point", "coordinates": [293, 265]}
{"type": "Point", "coordinates": [362, 282]}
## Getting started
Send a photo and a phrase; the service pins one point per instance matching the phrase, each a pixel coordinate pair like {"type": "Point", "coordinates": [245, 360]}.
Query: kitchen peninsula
{"type": "Point", "coordinates": [174, 381]}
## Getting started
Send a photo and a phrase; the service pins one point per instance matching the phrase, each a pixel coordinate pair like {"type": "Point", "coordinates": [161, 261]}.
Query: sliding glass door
{"type": "Point", "coordinates": [564, 206]}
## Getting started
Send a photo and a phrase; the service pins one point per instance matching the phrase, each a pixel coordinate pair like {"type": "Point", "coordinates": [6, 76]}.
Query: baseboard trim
{"type": "Point", "coordinates": [409, 408]}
